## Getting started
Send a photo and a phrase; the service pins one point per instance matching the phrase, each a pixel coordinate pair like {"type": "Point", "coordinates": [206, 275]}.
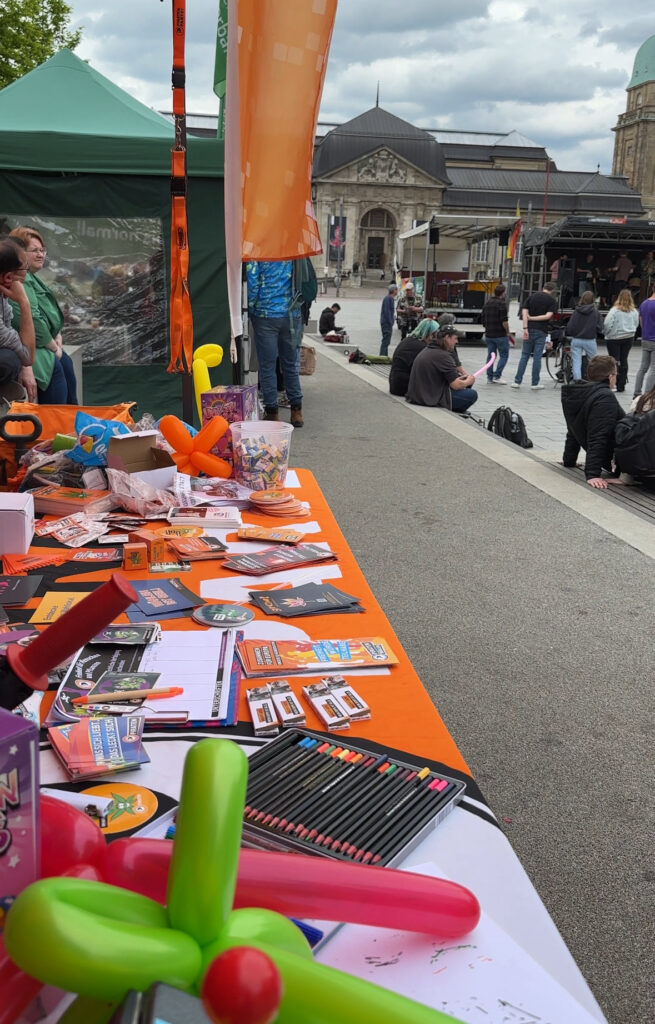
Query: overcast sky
{"type": "Point", "coordinates": [556, 72]}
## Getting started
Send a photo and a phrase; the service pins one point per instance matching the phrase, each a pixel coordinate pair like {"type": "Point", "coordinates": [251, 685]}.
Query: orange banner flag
{"type": "Point", "coordinates": [282, 51]}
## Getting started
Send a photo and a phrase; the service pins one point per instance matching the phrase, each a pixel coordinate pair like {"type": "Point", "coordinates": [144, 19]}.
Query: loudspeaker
{"type": "Point", "coordinates": [434, 236]}
{"type": "Point", "coordinates": [566, 278]}
{"type": "Point", "coordinates": [503, 236]}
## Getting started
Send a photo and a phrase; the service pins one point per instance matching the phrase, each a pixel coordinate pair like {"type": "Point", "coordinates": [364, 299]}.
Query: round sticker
{"type": "Point", "coordinates": [270, 497]}
{"type": "Point", "coordinates": [227, 616]}
{"type": "Point", "coordinates": [181, 531]}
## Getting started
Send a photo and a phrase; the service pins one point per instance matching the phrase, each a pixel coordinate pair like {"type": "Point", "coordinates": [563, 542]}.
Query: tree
{"type": "Point", "coordinates": [30, 32]}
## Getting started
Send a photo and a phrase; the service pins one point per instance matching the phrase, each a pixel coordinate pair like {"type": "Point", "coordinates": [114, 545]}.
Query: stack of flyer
{"type": "Point", "coordinates": [98, 746]}
{"type": "Point", "coordinates": [227, 517]}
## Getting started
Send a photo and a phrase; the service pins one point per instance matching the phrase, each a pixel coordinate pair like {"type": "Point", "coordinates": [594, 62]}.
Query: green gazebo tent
{"type": "Point", "coordinates": [75, 148]}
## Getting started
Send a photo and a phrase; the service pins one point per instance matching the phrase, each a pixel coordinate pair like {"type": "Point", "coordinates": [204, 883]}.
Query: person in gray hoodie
{"type": "Point", "coordinates": [619, 329]}
{"type": "Point", "coordinates": [585, 323]}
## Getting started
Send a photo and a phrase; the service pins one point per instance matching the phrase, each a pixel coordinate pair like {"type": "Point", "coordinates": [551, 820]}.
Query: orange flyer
{"type": "Point", "coordinates": [280, 657]}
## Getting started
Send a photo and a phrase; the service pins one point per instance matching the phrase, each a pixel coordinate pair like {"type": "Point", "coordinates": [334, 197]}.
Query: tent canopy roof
{"type": "Point", "coordinates": [65, 116]}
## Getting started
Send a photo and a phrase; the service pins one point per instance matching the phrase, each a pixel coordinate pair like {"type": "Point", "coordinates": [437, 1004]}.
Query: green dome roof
{"type": "Point", "coordinates": [644, 66]}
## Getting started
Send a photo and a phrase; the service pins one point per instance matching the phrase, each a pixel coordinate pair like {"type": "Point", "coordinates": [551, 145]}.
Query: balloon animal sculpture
{"type": "Point", "coordinates": [101, 940]}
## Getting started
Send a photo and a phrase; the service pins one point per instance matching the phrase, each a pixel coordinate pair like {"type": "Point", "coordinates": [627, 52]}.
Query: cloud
{"type": "Point", "coordinates": [556, 74]}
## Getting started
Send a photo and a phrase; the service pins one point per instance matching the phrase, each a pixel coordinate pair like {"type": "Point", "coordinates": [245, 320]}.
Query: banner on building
{"type": "Point", "coordinates": [337, 238]}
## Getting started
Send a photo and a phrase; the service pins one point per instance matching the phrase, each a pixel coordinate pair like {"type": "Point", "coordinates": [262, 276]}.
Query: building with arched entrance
{"type": "Point", "coordinates": [377, 176]}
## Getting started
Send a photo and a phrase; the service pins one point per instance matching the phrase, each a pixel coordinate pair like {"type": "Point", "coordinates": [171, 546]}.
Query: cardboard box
{"type": "Point", "coordinates": [139, 455]}
{"type": "Point", "coordinates": [17, 515]}
{"type": "Point", "coordinates": [20, 838]}
{"type": "Point", "coordinates": [154, 542]}
{"type": "Point", "coordinates": [135, 556]}
{"type": "Point", "coordinates": [233, 401]}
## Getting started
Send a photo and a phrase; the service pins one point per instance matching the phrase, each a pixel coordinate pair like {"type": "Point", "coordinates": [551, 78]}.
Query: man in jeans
{"type": "Point", "coordinates": [277, 330]}
{"type": "Point", "coordinates": [387, 319]}
{"type": "Point", "coordinates": [496, 331]}
{"type": "Point", "coordinates": [538, 310]}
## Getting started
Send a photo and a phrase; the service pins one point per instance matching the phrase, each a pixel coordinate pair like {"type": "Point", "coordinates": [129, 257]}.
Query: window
{"type": "Point", "coordinates": [639, 99]}
{"type": "Point", "coordinates": [378, 218]}
{"type": "Point", "coordinates": [481, 250]}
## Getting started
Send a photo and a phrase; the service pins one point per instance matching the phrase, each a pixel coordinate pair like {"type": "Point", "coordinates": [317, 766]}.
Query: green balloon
{"type": "Point", "coordinates": [97, 940]}
{"type": "Point", "coordinates": [315, 994]}
{"type": "Point", "coordinates": [252, 926]}
{"type": "Point", "coordinates": [203, 871]}
{"type": "Point", "coordinates": [88, 1011]}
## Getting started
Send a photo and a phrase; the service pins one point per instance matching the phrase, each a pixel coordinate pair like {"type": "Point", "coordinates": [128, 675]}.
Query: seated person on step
{"type": "Point", "coordinates": [436, 379]}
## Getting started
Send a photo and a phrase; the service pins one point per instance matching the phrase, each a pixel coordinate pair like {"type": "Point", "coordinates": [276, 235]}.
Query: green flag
{"type": "Point", "coordinates": [220, 63]}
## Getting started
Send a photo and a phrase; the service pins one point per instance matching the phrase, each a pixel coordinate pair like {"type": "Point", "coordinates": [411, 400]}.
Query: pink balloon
{"type": "Point", "coordinates": [314, 887]}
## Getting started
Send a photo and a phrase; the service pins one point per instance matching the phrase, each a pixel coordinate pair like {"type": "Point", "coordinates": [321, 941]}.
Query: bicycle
{"type": "Point", "coordinates": [559, 361]}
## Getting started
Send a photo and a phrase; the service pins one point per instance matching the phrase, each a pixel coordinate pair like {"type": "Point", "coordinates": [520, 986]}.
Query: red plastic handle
{"type": "Point", "coordinates": [61, 639]}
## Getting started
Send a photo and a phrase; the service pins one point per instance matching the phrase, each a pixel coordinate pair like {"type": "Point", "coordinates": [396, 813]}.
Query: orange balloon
{"type": "Point", "coordinates": [212, 431]}
{"type": "Point", "coordinates": [176, 434]}
{"type": "Point", "coordinates": [211, 464]}
{"type": "Point", "coordinates": [183, 464]}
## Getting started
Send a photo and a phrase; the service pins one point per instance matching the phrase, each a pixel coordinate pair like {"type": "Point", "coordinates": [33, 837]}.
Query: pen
{"type": "Point", "coordinates": [104, 698]}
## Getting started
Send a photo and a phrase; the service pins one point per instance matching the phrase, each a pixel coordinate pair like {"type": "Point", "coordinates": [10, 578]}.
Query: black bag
{"type": "Point", "coordinates": [634, 444]}
{"type": "Point", "coordinates": [510, 425]}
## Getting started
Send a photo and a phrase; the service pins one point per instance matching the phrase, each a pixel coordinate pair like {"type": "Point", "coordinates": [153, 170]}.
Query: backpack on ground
{"type": "Point", "coordinates": [357, 356]}
{"type": "Point", "coordinates": [510, 425]}
{"type": "Point", "coordinates": [634, 444]}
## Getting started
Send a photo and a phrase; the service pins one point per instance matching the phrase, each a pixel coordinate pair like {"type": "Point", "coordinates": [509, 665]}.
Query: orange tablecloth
{"type": "Point", "coordinates": [403, 716]}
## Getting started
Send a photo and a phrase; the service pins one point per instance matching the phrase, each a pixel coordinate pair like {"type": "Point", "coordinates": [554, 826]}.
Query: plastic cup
{"type": "Point", "coordinates": [260, 453]}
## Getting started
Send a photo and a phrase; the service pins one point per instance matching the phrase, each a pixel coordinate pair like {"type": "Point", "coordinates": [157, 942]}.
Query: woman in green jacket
{"type": "Point", "coordinates": [52, 368]}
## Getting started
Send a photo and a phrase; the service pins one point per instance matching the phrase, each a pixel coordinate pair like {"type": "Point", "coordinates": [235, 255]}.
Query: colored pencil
{"type": "Point", "coordinates": [347, 761]}
{"type": "Point", "coordinates": [408, 823]}
{"type": "Point", "coordinates": [333, 767]}
{"type": "Point", "coordinates": [284, 781]}
{"type": "Point", "coordinates": [303, 776]}
{"type": "Point", "coordinates": [276, 776]}
{"type": "Point", "coordinates": [356, 830]}
{"type": "Point", "coordinates": [260, 778]}
{"type": "Point", "coordinates": [117, 696]}
{"type": "Point", "coordinates": [342, 792]}
{"type": "Point", "coordinates": [359, 797]}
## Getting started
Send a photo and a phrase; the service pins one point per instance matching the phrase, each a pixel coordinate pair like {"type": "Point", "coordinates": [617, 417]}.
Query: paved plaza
{"type": "Point", "coordinates": [541, 410]}
{"type": "Point", "coordinates": [521, 597]}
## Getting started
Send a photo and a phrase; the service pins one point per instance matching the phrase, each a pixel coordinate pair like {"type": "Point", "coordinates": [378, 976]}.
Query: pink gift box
{"type": "Point", "coordinates": [20, 839]}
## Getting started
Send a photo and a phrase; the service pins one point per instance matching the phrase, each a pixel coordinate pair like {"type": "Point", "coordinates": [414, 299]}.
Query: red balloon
{"type": "Point", "coordinates": [18, 989]}
{"type": "Point", "coordinates": [300, 886]}
{"type": "Point", "coordinates": [242, 986]}
{"type": "Point", "coordinates": [68, 838]}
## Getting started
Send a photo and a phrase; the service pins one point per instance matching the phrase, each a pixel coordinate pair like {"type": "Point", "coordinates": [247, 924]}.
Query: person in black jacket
{"type": "Point", "coordinates": [591, 411]}
{"type": "Point", "coordinates": [406, 352]}
{"type": "Point", "coordinates": [585, 323]}
{"type": "Point", "coordinates": [326, 323]}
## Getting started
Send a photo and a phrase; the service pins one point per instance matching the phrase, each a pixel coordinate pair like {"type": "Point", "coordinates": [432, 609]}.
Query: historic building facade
{"type": "Point", "coordinates": [634, 146]}
{"type": "Point", "coordinates": [377, 176]}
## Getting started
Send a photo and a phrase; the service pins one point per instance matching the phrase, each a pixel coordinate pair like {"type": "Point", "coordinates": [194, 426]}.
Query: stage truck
{"type": "Point", "coordinates": [580, 254]}
{"type": "Point", "coordinates": [464, 299]}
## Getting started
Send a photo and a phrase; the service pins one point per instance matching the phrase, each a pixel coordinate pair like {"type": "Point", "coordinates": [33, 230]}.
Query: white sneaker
{"type": "Point", "coordinates": [536, 387]}
{"type": "Point", "coordinates": [498, 380]}
{"type": "Point", "coordinates": [514, 384]}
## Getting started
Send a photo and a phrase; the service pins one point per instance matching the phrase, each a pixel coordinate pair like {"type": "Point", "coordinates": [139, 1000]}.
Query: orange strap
{"type": "Point", "coordinates": [181, 318]}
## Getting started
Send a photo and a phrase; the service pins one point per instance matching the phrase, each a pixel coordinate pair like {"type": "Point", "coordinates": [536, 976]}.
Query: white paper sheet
{"type": "Point", "coordinates": [482, 978]}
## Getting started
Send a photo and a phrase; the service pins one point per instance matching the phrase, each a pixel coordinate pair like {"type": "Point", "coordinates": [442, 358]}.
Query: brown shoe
{"type": "Point", "coordinates": [271, 413]}
{"type": "Point", "coordinates": [296, 416]}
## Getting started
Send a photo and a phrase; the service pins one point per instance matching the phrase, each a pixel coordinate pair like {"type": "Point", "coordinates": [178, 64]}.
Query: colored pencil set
{"type": "Point", "coordinates": [320, 796]}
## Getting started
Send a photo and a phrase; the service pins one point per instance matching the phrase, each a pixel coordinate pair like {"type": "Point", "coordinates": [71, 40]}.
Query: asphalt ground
{"type": "Point", "coordinates": [529, 627]}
